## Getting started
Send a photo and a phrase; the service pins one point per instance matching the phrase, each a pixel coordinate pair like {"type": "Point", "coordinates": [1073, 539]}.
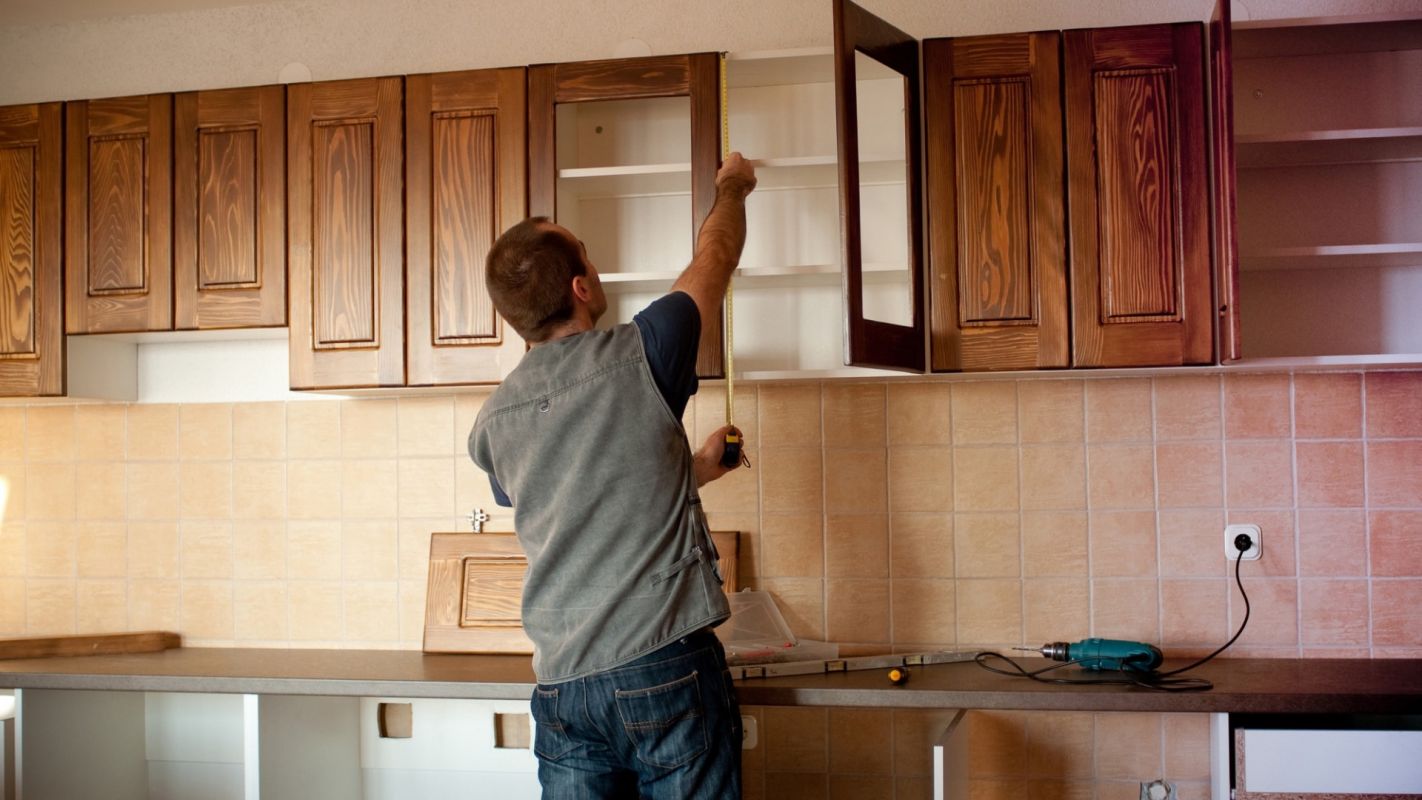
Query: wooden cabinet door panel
{"type": "Point", "coordinates": [1225, 185]}
{"type": "Point", "coordinates": [31, 302]}
{"type": "Point", "coordinates": [465, 178]}
{"type": "Point", "coordinates": [1138, 196]}
{"type": "Point", "coordinates": [345, 234]}
{"type": "Point", "coordinates": [118, 215]}
{"type": "Point", "coordinates": [996, 205]}
{"type": "Point", "coordinates": [229, 225]}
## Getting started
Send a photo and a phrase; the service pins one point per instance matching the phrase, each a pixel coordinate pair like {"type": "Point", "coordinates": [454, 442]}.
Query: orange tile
{"type": "Point", "coordinates": [1053, 477]}
{"type": "Point", "coordinates": [861, 787]}
{"type": "Point", "coordinates": [102, 550]}
{"type": "Point", "coordinates": [153, 549]}
{"type": "Point", "coordinates": [855, 480]}
{"type": "Point", "coordinates": [259, 611]}
{"type": "Point", "coordinates": [102, 490]}
{"type": "Point", "coordinates": [426, 426]}
{"type": "Point", "coordinates": [371, 611]}
{"type": "Point", "coordinates": [1396, 622]}
{"type": "Point", "coordinates": [1121, 476]}
{"type": "Point", "coordinates": [259, 550]}
{"type": "Point", "coordinates": [734, 491]}
{"type": "Point", "coordinates": [796, 739]}
{"type": "Point", "coordinates": [427, 487]}
{"type": "Point", "coordinates": [997, 744]}
{"type": "Point", "coordinates": [1054, 544]}
{"type": "Point", "coordinates": [153, 605]}
{"type": "Point", "coordinates": [998, 788]}
{"type": "Point", "coordinates": [1274, 612]}
{"type": "Point", "coordinates": [854, 413]}
{"type": "Point", "coordinates": [1257, 406]}
{"type": "Point", "coordinates": [1190, 543]}
{"type": "Point", "coordinates": [857, 610]}
{"type": "Point", "coordinates": [796, 786]}
{"type": "Point", "coordinates": [1051, 411]}
{"type": "Point", "coordinates": [1394, 404]}
{"type": "Point", "coordinates": [989, 611]}
{"type": "Point", "coordinates": [1277, 529]}
{"type": "Point", "coordinates": [152, 432]}
{"type": "Point", "coordinates": [920, 479]}
{"type": "Point", "coordinates": [259, 489]}
{"type": "Point", "coordinates": [205, 431]}
{"type": "Point", "coordinates": [791, 479]}
{"type": "Point", "coordinates": [1060, 743]}
{"type": "Point", "coordinates": [51, 549]}
{"type": "Point", "coordinates": [205, 548]}
{"type": "Point", "coordinates": [1333, 612]}
{"type": "Point", "coordinates": [100, 433]}
{"type": "Point", "coordinates": [1396, 543]}
{"type": "Point", "coordinates": [369, 489]}
{"type": "Point", "coordinates": [1394, 474]}
{"type": "Point", "coordinates": [861, 741]}
{"type": "Point", "coordinates": [101, 606]}
{"type": "Point", "coordinates": [985, 479]}
{"type": "Point", "coordinates": [1328, 405]}
{"type": "Point", "coordinates": [1118, 410]}
{"type": "Point", "coordinates": [801, 602]}
{"type": "Point", "coordinates": [919, 413]}
{"type": "Point", "coordinates": [259, 430]}
{"type": "Point", "coordinates": [205, 489]}
{"type": "Point", "coordinates": [1333, 543]}
{"type": "Point", "coordinates": [709, 405]}
{"type": "Point", "coordinates": [1187, 407]}
{"type": "Point", "coordinates": [988, 545]}
{"type": "Point", "coordinates": [1330, 474]}
{"type": "Point", "coordinates": [794, 545]}
{"type": "Point", "coordinates": [206, 611]}
{"type": "Point", "coordinates": [921, 545]}
{"type": "Point", "coordinates": [790, 415]}
{"type": "Point", "coordinates": [1187, 746]}
{"type": "Point", "coordinates": [1259, 474]}
{"type": "Point", "coordinates": [1123, 544]}
{"type": "Point", "coordinates": [368, 550]}
{"type": "Point", "coordinates": [924, 611]}
{"type": "Point", "coordinates": [50, 432]}
{"type": "Point", "coordinates": [1190, 475]}
{"type": "Point", "coordinates": [1061, 790]}
{"type": "Point", "coordinates": [857, 546]}
{"type": "Point", "coordinates": [915, 732]}
{"type": "Point", "coordinates": [1056, 609]}
{"type": "Point", "coordinates": [1125, 608]}
{"type": "Point", "coordinates": [985, 412]}
{"type": "Point", "coordinates": [1194, 612]}
{"type": "Point", "coordinates": [1128, 746]}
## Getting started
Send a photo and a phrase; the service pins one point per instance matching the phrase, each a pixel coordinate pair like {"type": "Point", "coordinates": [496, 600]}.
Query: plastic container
{"type": "Point", "coordinates": [756, 633]}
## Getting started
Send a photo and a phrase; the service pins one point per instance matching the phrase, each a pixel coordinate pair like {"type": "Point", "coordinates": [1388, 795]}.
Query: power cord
{"type": "Point", "coordinates": [1146, 679]}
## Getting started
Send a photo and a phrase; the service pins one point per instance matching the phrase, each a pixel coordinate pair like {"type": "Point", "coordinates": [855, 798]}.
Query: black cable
{"type": "Point", "coordinates": [1146, 679]}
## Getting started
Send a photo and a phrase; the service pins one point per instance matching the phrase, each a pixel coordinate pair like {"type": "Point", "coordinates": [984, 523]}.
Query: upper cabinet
{"type": "Point", "coordinates": [31, 305]}
{"type": "Point", "coordinates": [118, 215]}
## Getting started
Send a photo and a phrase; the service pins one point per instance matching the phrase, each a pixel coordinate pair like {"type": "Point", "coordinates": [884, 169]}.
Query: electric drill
{"type": "Point", "coordinates": [1103, 654]}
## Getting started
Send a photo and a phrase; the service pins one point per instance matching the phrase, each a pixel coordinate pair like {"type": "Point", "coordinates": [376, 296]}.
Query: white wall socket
{"type": "Point", "coordinates": [1231, 531]}
{"type": "Point", "coordinates": [750, 734]}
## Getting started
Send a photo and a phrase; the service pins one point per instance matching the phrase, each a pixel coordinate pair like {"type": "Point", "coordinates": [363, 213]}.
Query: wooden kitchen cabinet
{"type": "Point", "coordinates": [31, 302]}
{"type": "Point", "coordinates": [118, 215]}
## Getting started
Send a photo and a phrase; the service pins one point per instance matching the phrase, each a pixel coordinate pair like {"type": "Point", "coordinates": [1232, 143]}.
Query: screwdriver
{"type": "Point", "coordinates": [1098, 654]}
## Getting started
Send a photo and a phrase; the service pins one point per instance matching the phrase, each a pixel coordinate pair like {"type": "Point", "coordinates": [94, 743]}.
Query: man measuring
{"type": "Point", "coordinates": [584, 439]}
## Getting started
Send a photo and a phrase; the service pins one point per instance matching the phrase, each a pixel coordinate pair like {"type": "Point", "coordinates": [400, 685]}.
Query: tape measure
{"type": "Point", "coordinates": [732, 455]}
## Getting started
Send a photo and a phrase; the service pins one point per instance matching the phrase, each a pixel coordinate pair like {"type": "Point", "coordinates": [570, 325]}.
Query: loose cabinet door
{"type": "Point", "coordinates": [229, 199]}
{"type": "Point", "coordinates": [118, 215]}
{"type": "Point", "coordinates": [1138, 196]}
{"type": "Point", "coordinates": [465, 179]}
{"type": "Point", "coordinates": [345, 233]}
{"type": "Point", "coordinates": [31, 303]}
{"type": "Point", "coordinates": [996, 206]}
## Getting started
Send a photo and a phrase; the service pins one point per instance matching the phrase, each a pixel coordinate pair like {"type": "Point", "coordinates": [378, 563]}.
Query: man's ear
{"type": "Point", "coordinates": [581, 289]}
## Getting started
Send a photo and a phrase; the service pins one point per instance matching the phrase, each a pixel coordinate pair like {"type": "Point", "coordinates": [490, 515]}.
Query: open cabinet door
{"type": "Point", "coordinates": [877, 78]}
{"type": "Point", "coordinates": [1225, 183]}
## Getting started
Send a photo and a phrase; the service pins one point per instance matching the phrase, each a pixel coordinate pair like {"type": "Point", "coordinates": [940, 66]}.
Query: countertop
{"type": "Point", "coordinates": [1242, 685]}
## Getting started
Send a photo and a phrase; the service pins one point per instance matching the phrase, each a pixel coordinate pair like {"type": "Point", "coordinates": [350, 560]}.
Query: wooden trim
{"type": "Point", "coordinates": [100, 645]}
{"type": "Point", "coordinates": [1226, 185]}
{"type": "Point", "coordinates": [622, 79]}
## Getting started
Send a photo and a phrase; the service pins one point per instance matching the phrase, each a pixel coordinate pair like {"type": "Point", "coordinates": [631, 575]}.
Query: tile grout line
{"type": "Point", "coordinates": [1365, 439]}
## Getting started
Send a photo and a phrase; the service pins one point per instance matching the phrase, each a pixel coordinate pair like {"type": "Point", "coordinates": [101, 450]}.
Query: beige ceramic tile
{"type": "Point", "coordinates": [412, 612]}
{"type": "Point", "coordinates": [997, 743]}
{"type": "Point", "coordinates": [13, 442]}
{"type": "Point", "coordinates": [1395, 539]}
{"type": "Point", "coordinates": [369, 489]}
{"type": "Point", "coordinates": [989, 611]}
{"type": "Point", "coordinates": [1257, 406]}
{"type": "Point", "coordinates": [915, 731]}
{"type": "Point", "coordinates": [854, 414]}
{"type": "Point", "coordinates": [1120, 476]}
{"type": "Point", "coordinates": [985, 412]}
{"type": "Point", "coordinates": [426, 487]}
{"type": "Point", "coordinates": [259, 489]}
{"type": "Point", "coordinates": [372, 611]}
{"type": "Point", "coordinates": [1396, 622]}
{"type": "Point", "coordinates": [861, 787]}
{"type": "Point", "coordinates": [1187, 746]}
{"type": "Point", "coordinates": [205, 431]}
{"type": "Point", "coordinates": [857, 610]}
{"type": "Point", "coordinates": [791, 479]}
{"type": "Point", "coordinates": [50, 607]}
{"type": "Point", "coordinates": [1119, 410]}
{"type": "Point", "coordinates": [153, 605]}
{"type": "Point", "coordinates": [13, 478]}
{"type": "Point", "coordinates": [414, 547]}
{"type": "Point", "coordinates": [152, 432]}
{"type": "Point", "coordinates": [152, 490]}
{"type": "Point", "coordinates": [50, 549]}
{"type": "Point", "coordinates": [1333, 543]}
{"type": "Point", "coordinates": [12, 550]}
{"type": "Point", "coordinates": [315, 611]}
{"type": "Point", "coordinates": [207, 610]}
{"type": "Point", "coordinates": [985, 479]}
{"type": "Point", "coordinates": [102, 549]}
{"type": "Point", "coordinates": [426, 426]}
{"type": "Point", "coordinates": [466, 409]}
{"type": "Point", "coordinates": [1128, 745]}
{"type": "Point", "coordinates": [1123, 544]}
{"type": "Point", "coordinates": [206, 549]}
{"type": "Point", "coordinates": [1056, 609]}
{"type": "Point", "coordinates": [855, 480]}
{"type": "Point", "coordinates": [50, 432]}
{"type": "Point", "coordinates": [857, 546]}
{"type": "Point", "coordinates": [313, 489]}
{"type": "Point", "coordinates": [12, 607]}
{"type": "Point", "coordinates": [1051, 411]}
{"type": "Point", "coordinates": [924, 611]}
{"type": "Point", "coordinates": [259, 610]}
{"type": "Point", "coordinates": [50, 491]}
{"type": "Point", "coordinates": [861, 741]}
{"type": "Point", "coordinates": [921, 545]}
{"type": "Point", "coordinates": [1054, 544]}
{"type": "Point", "coordinates": [1333, 612]}
{"type": "Point", "coordinates": [1125, 608]}
{"type": "Point", "coordinates": [205, 489]}
{"type": "Point", "coordinates": [1188, 407]}
{"type": "Point", "coordinates": [1394, 474]}
{"type": "Point", "coordinates": [1060, 744]}
{"type": "Point", "coordinates": [921, 478]}
{"type": "Point", "coordinates": [796, 739]}
{"type": "Point", "coordinates": [259, 549]}
{"type": "Point", "coordinates": [1190, 543]}
{"type": "Point", "coordinates": [1194, 612]}
{"type": "Point", "coordinates": [102, 490]}
{"type": "Point", "coordinates": [1190, 474]}
{"type": "Point", "coordinates": [797, 786]}
{"type": "Point", "coordinates": [100, 432]}
{"type": "Point", "coordinates": [1328, 405]}
{"type": "Point", "coordinates": [1259, 474]}
{"type": "Point", "coordinates": [801, 602]}
{"type": "Point", "coordinates": [370, 428]}
{"type": "Point", "coordinates": [259, 430]}
{"type": "Point", "coordinates": [1274, 612]}
{"type": "Point", "coordinates": [919, 413]}
{"type": "Point", "coordinates": [790, 415]}
{"type": "Point", "coordinates": [368, 551]}
{"type": "Point", "coordinates": [313, 429]}
{"type": "Point", "coordinates": [153, 549]}
{"type": "Point", "coordinates": [313, 550]}
{"type": "Point", "coordinates": [1053, 477]}
{"type": "Point", "coordinates": [987, 545]}
{"type": "Point", "coordinates": [102, 606]}
{"type": "Point", "coordinates": [1330, 474]}
{"type": "Point", "coordinates": [736, 490]}
{"type": "Point", "coordinates": [1394, 404]}
{"type": "Point", "coordinates": [708, 405]}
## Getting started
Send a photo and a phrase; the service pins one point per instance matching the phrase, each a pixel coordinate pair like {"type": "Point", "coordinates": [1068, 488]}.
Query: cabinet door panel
{"type": "Point", "coordinates": [1139, 197]}
{"type": "Point", "coordinates": [996, 226]}
{"type": "Point", "coordinates": [31, 304]}
{"type": "Point", "coordinates": [1225, 184]}
{"type": "Point", "coordinates": [465, 179]}
{"type": "Point", "coordinates": [118, 265]}
{"type": "Point", "coordinates": [345, 233]}
{"type": "Point", "coordinates": [229, 254]}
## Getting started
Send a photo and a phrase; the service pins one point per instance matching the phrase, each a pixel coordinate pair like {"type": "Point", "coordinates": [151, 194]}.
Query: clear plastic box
{"type": "Point", "coordinates": [756, 633]}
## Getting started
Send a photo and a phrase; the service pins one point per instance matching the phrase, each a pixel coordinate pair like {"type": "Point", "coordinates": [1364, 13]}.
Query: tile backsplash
{"type": "Point", "coordinates": [905, 515]}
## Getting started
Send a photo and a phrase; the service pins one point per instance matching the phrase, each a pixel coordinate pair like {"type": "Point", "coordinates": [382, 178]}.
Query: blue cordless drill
{"type": "Point", "coordinates": [1098, 654]}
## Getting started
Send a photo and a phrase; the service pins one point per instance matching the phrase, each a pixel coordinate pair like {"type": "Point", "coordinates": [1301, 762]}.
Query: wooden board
{"type": "Point", "coordinates": [476, 589]}
{"type": "Point", "coordinates": [103, 645]}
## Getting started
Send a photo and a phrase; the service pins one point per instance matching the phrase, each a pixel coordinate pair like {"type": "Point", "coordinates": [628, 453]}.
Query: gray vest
{"type": "Point", "coordinates": [599, 471]}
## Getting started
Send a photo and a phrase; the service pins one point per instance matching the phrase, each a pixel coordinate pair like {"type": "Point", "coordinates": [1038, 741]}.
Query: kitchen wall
{"type": "Point", "coordinates": [882, 515]}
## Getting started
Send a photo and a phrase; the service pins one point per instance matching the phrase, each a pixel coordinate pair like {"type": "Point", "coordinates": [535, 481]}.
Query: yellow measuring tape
{"type": "Point", "coordinates": [730, 304]}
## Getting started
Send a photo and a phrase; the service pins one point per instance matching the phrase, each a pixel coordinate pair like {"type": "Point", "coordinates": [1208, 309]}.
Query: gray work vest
{"type": "Point", "coordinates": [605, 506]}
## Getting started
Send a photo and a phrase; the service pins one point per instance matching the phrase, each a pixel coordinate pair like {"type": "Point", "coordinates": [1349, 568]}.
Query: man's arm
{"type": "Point", "coordinates": [723, 234]}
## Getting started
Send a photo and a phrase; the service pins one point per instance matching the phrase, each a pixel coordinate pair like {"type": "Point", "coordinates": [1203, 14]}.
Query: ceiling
{"type": "Point", "coordinates": [48, 12]}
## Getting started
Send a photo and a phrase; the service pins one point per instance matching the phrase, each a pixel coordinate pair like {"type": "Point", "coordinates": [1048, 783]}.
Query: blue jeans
{"type": "Point", "coordinates": [664, 727]}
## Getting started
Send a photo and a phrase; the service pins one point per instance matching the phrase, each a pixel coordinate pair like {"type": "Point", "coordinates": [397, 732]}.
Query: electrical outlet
{"type": "Point", "coordinates": [750, 735]}
{"type": "Point", "coordinates": [1231, 552]}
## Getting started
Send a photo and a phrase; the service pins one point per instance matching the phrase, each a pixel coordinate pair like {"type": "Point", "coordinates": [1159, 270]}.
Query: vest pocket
{"type": "Point", "coordinates": [666, 723]}
{"type": "Point", "coordinates": [550, 739]}
{"type": "Point", "coordinates": [695, 556]}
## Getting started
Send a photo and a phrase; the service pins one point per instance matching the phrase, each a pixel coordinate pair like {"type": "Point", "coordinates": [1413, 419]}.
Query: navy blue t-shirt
{"type": "Point", "coordinates": [671, 335]}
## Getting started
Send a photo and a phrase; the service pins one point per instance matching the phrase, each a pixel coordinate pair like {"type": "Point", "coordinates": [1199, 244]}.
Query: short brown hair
{"type": "Point", "coordinates": [529, 272]}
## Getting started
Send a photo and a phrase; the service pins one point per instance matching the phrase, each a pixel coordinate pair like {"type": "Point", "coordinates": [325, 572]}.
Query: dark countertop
{"type": "Point", "coordinates": [1244, 685]}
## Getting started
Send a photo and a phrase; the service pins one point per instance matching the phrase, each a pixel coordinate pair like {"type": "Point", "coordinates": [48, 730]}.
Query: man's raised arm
{"type": "Point", "coordinates": [723, 234]}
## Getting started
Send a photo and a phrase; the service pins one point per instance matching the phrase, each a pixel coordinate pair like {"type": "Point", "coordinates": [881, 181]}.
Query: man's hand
{"type": "Point", "coordinates": [707, 461]}
{"type": "Point", "coordinates": [736, 174]}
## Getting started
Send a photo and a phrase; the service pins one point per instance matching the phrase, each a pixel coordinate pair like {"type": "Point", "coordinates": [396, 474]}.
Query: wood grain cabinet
{"type": "Point", "coordinates": [31, 303]}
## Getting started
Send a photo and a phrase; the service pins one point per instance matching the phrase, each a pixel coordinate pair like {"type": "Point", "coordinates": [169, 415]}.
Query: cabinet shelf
{"type": "Point", "coordinates": [801, 274]}
{"type": "Point", "coordinates": [1332, 256]}
{"type": "Point", "coordinates": [1328, 147]}
{"type": "Point", "coordinates": [800, 172]}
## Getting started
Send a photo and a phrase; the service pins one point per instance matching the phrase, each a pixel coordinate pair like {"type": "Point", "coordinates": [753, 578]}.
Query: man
{"type": "Point", "coordinates": [584, 439]}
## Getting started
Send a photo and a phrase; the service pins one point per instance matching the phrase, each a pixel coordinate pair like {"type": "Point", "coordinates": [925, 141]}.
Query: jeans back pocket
{"type": "Point", "coordinates": [667, 722]}
{"type": "Point", "coordinates": [550, 739]}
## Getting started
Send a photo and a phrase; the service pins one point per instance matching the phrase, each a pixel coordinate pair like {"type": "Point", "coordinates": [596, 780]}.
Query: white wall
{"type": "Point", "coordinates": [250, 44]}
